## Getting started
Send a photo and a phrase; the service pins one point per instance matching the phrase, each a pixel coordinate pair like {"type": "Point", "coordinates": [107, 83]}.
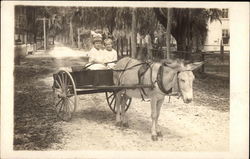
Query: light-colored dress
{"type": "Point", "coordinates": [101, 56]}
{"type": "Point", "coordinates": [111, 56]}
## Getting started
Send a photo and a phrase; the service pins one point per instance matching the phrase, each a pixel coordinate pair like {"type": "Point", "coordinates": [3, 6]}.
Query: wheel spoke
{"type": "Point", "coordinates": [58, 102]}
{"type": "Point", "coordinates": [63, 79]}
{"type": "Point", "coordinates": [58, 91]}
{"type": "Point", "coordinates": [112, 101]}
{"type": "Point", "coordinates": [66, 81]}
{"type": "Point", "coordinates": [60, 80]}
{"type": "Point", "coordinates": [61, 106]}
{"type": "Point", "coordinates": [72, 103]}
{"type": "Point", "coordinates": [58, 84]}
{"type": "Point", "coordinates": [111, 95]}
{"type": "Point", "coordinates": [67, 106]}
{"type": "Point", "coordinates": [68, 93]}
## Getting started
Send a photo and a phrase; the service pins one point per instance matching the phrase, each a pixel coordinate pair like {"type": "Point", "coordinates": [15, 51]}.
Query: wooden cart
{"type": "Point", "coordinates": [68, 85]}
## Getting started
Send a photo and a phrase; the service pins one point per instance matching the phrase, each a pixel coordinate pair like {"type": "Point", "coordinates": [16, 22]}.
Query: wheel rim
{"type": "Point", "coordinates": [110, 97]}
{"type": "Point", "coordinates": [65, 97]}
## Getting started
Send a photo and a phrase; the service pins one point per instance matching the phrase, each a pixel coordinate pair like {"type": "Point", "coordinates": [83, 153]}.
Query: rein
{"type": "Point", "coordinates": [129, 68]}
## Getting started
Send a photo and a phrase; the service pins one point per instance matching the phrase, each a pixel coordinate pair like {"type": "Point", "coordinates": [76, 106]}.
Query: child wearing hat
{"type": "Point", "coordinates": [101, 59]}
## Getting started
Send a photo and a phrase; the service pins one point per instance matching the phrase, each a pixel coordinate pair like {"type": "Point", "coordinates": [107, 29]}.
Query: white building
{"type": "Point", "coordinates": [218, 33]}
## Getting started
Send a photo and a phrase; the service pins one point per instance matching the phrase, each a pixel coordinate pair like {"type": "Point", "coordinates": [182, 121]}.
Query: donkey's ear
{"type": "Point", "coordinates": [193, 66]}
{"type": "Point", "coordinates": [170, 63]}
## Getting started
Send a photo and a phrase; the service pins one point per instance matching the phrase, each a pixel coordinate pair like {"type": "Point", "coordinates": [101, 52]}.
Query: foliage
{"type": "Point", "coordinates": [147, 21]}
{"type": "Point", "coordinates": [188, 24]}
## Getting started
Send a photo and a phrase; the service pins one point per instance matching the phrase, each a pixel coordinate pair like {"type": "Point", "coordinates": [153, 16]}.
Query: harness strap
{"type": "Point", "coordinates": [141, 72]}
{"type": "Point", "coordinates": [160, 82]}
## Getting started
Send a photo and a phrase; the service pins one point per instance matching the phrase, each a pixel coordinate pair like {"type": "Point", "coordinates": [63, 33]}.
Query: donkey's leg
{"type": "Point", "coordinates": [158, 108]}
{"type": "Point", "coordinates": [118, 109]}
{"type": "Point", "coordinates": [123, 113]}
{"type": "Point", "coordinates": [153, 116]}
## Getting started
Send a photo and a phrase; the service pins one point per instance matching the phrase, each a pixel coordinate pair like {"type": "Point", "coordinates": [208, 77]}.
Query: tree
{"type": "Point", "coordinates": [134, 33]}
{"type": "Point", "coordinates": [169, 19]}
{"type": "Point", "coordinates": [188, 24]}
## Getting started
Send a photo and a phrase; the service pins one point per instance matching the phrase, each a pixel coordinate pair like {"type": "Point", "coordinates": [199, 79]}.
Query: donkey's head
{"type": "Point", "coordinates": [183, 82]}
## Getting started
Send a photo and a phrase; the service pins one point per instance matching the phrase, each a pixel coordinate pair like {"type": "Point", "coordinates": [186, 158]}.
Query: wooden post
{"type": "Point", "coordinates": [71, 33]}
{"type": "Point", "coordinates": [44, 33]}
{"type": "Point", "coordinates": [134, 33]}
{"type": "Point", "coordinates": [168, 37]}
{"type": "Point", "coordinates": [222, 51]}
{"type": "Point", "coordinates": [130, 47]}
{"type": "Point", "coordinates": [127, 45]}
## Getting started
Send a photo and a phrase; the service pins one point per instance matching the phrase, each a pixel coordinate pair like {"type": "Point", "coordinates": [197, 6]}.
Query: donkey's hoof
{"type": "Point", "coordinates": [159, 134]}
{"type": "Point", "coordinates": [118, 124]}
{"type": "Point", "coordinates": [125, 125]}
{"type": "Point", "coordinates": [154, 138]}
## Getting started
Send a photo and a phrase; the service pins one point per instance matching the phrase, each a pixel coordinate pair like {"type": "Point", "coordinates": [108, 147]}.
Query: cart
{"type": "Point", "coordinates": [68, 85]}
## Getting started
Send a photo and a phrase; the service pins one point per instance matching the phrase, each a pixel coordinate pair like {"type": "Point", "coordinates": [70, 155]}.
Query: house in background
{"type": "Point", "coordinates": [218, 34]}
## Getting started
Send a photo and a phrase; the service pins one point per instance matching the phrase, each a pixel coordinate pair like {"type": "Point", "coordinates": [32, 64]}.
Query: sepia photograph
{"type": "Point", "coordinates": [122, 78]}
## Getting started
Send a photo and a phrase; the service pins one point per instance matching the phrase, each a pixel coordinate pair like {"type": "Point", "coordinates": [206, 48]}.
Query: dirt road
{"type": "Point", "coordinates": [202, 125]}
{"type": "Point", "coordinates": [185, 128]}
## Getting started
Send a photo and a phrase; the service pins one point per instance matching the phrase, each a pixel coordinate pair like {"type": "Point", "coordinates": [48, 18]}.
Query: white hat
{"type": "Point", "coordinates": [97, 37]}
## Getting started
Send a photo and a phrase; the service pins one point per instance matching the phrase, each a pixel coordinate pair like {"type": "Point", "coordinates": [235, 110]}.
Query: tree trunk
{"type": "Point", "coordinates": [78, 39]}
{"type": "Point", "coordinates": [44, 34]}
{"type": "Point", "coordinates": [189, 44]}
{"type": "Point", "coordinates": [71, 36]}
{"type": "Point", "coordinates": [149, 47]}
{"type": "Point", "coordinates": [134, 32]}
{"type": "Point", "coordinates": [181, 43]}
{"type": "Point", "coordinates": [168, 38]}
{"type": "Point", "coordinates": [53, 40]}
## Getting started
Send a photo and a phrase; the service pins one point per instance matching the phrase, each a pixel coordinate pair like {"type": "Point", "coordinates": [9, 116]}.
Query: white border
{"type": "Point", "coordinates": [239, 83]}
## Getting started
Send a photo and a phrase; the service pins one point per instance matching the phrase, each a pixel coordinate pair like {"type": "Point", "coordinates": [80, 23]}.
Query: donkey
{"type": "Point", "coordinates": [168, 76]}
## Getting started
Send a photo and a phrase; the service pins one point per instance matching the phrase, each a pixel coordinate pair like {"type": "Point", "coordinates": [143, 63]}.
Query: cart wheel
{"type": "Point", "coordinates": [65, 96]}
{"type": "Point", "coordinates": [110, 97]}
